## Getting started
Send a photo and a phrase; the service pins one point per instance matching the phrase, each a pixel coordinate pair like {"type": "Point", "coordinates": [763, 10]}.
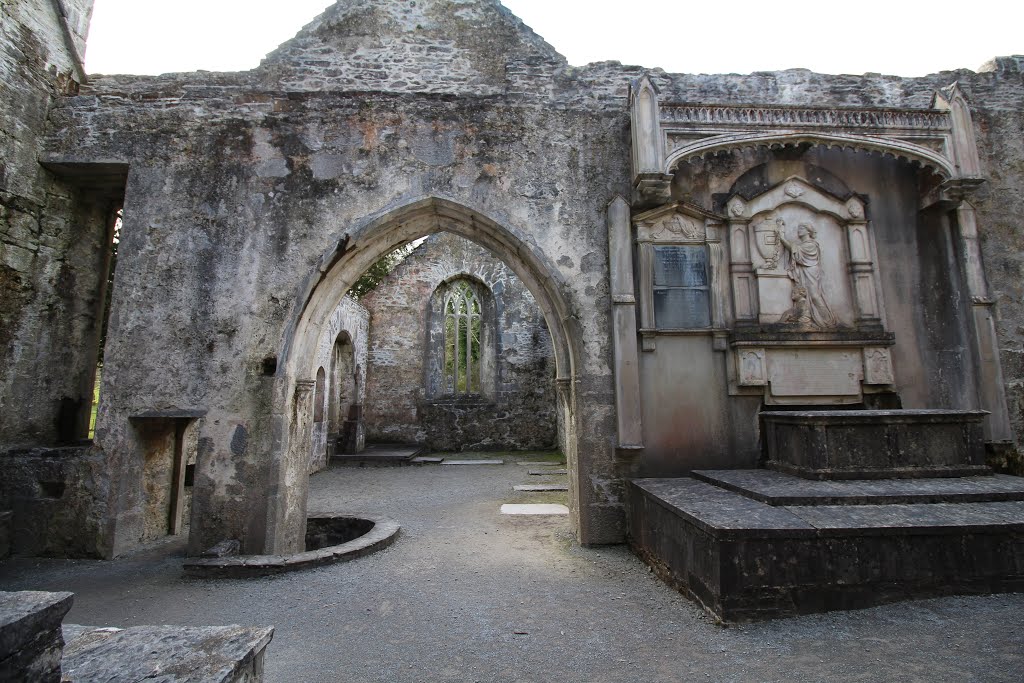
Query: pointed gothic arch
{"type": "Point", "coordinates": [337, 271]}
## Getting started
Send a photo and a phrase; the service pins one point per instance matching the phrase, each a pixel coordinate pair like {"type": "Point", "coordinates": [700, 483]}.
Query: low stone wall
{"type": "Point", "coordinates": [57, 500]}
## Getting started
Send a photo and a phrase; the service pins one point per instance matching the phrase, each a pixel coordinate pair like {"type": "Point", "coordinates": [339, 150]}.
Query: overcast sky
{"type": "Point", "coordinates": [728, 36]}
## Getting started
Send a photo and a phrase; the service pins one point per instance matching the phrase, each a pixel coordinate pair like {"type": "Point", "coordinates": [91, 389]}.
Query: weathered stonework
{"type": "Point", "coordinates": [253, 200]}
{"type": "Point", "coordinates": [405, 402]}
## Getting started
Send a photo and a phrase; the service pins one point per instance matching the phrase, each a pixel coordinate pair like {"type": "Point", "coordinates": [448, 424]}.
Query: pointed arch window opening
{"type": "Point", "coordinates": [462, 340]}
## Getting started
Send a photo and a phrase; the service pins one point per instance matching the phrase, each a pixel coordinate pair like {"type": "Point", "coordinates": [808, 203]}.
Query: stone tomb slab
{"type": "Point", "coordinates": [548, 471]}
{"type": "Point", "coordinates": [875, 444]}
{"type": "Point", "coordinates": [780, 489]}
{"type": "Point", "coordinates": [534, 509]}
{"type": "Point", "coordinates": [541, 487]}
{"type": "Point", "coordinates": [448, 461]}
{"type": "Point", "coordinates": [744, 560]}
{"type": "Point", "coordinates": [217, 654]}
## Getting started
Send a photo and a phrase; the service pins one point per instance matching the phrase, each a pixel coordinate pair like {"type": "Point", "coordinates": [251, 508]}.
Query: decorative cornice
{"type": "Point", "coordinates": [799, 117]}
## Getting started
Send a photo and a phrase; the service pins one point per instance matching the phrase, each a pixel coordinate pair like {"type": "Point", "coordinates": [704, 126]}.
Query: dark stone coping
{"type": "Point", "coordinates": [383, 534]}
{"type": "Point", "coordinates": [48, 451]}
{"type": "Point", "coordinates": [25, 614]}
{"type": "Point", "coordinates": [842, 417]}
{"type": "Point", "coordinates": [172, 413]}
{"type": "Point", "coordinates": [725, 514]}
{"type": "Point", "coordinates": [862, 473]}
{"type": "Point", "coordinates": [779, 489]}
{"type": "Point", "coordinates": [778, 336]}
{"type": "Point", "coordinates": [718, 511]}
{"type": "Point", "coordinates": [212, 654]}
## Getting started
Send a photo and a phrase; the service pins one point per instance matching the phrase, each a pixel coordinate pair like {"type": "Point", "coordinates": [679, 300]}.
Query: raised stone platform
{"type": "Point", "coordinates": [875, 444]}
{"type": "Point", "coordinates": [745, 559]}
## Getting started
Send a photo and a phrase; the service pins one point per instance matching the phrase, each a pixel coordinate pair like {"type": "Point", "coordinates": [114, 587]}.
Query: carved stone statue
{"type": "Point", "coordinates": [805, 272]}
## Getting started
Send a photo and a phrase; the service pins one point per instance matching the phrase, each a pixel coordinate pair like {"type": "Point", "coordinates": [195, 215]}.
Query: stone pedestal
{"type": "Point", "coordinates": [874, 444]}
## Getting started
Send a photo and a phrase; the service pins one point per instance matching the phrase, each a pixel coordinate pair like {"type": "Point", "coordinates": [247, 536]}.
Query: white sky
{"type": "Point", "coordinates": [688, 36]}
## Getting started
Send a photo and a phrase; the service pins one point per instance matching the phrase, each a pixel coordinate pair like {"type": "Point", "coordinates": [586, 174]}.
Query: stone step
{"type": "Point", "coordinates": [780, 489]}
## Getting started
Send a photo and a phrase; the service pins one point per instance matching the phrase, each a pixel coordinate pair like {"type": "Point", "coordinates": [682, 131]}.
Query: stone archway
{"type": "Point", "coordinates": [337, 271]}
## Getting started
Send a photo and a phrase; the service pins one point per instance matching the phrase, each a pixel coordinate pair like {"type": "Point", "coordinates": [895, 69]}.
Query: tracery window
{"type": "Point", "coordinates": [461, 339]}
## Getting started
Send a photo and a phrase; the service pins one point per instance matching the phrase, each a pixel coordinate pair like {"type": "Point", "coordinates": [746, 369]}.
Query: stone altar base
{"type": "Point", "coordinates": [757, 544]}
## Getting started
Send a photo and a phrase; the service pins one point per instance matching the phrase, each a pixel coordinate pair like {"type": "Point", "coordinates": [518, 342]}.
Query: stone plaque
{"type": "Point", "coordinates": [811, 373]}
{"type": "Point", "coordinates": [681, 287]}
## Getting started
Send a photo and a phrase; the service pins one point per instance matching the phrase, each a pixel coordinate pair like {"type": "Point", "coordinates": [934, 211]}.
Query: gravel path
{"type": "Point", "coordinates": [468, 595]}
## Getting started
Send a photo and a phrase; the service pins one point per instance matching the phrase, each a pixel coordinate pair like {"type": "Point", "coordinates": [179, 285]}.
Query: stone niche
{"type": "Point", "coordinates": [808, 313]}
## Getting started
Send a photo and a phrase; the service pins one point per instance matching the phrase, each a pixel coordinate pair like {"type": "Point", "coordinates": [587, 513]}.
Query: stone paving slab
{"type": "Point", "coordinates": [546, 472]}
{"type": "Point", "coordinates": [446, 461]}
{"type": "Point", "coordinates": [780, 489]}
{"type": "Point", "coordinates": [534, 509]}
{"type": "Point", "coordinates": [173, 654]}
{"type": "Point", "coordinates": [540, 463]}
{"type": "Point", "coordinates": [541, 487]}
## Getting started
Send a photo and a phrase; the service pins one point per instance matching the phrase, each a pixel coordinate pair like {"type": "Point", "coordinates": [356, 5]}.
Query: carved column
{"type": "Point", "coordinates": [991, 390]}
{"type": "Point", "coordinates": [862, 267]}
{"type": "Point", "coordinates": [624, 348]}
{"type": "Point", "coordinates": [744, 285]}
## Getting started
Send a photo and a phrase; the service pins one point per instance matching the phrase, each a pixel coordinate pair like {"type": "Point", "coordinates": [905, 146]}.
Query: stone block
{"type": "Point", "coordinates": [30, 635]}
{"type": "Point", "coordinates": [217, 654]}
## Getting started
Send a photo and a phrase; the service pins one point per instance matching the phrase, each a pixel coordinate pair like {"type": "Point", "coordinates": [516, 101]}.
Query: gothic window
{"type": "Point", "coordinates": [462, 357]}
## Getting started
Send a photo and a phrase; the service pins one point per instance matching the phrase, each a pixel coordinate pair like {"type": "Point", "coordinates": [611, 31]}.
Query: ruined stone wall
{"type": "Point", "coordinates": [240, 186]}
{"type": "Point", "coordinates": [520, 414]}
{"type": "Point", "coordinates": [53, 236]}
{"type": "Point", "coordinates": [237, 191]}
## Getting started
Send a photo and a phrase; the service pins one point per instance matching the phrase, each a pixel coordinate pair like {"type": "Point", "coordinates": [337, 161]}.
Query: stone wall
{"type": "Point", "coordinates": [57, 498]}
{"type": "Point", "coordinates": [517, 411]}
{"type": "Point", "coordinates": [54, 235]}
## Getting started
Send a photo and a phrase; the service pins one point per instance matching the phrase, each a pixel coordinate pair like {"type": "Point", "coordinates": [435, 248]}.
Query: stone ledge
{"type": "Point", "coordinates": [212, 654]}
{"type": "Point", "coordinates": [383, 534]}
{"type": "Point", "coordinates": [779, 489]}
